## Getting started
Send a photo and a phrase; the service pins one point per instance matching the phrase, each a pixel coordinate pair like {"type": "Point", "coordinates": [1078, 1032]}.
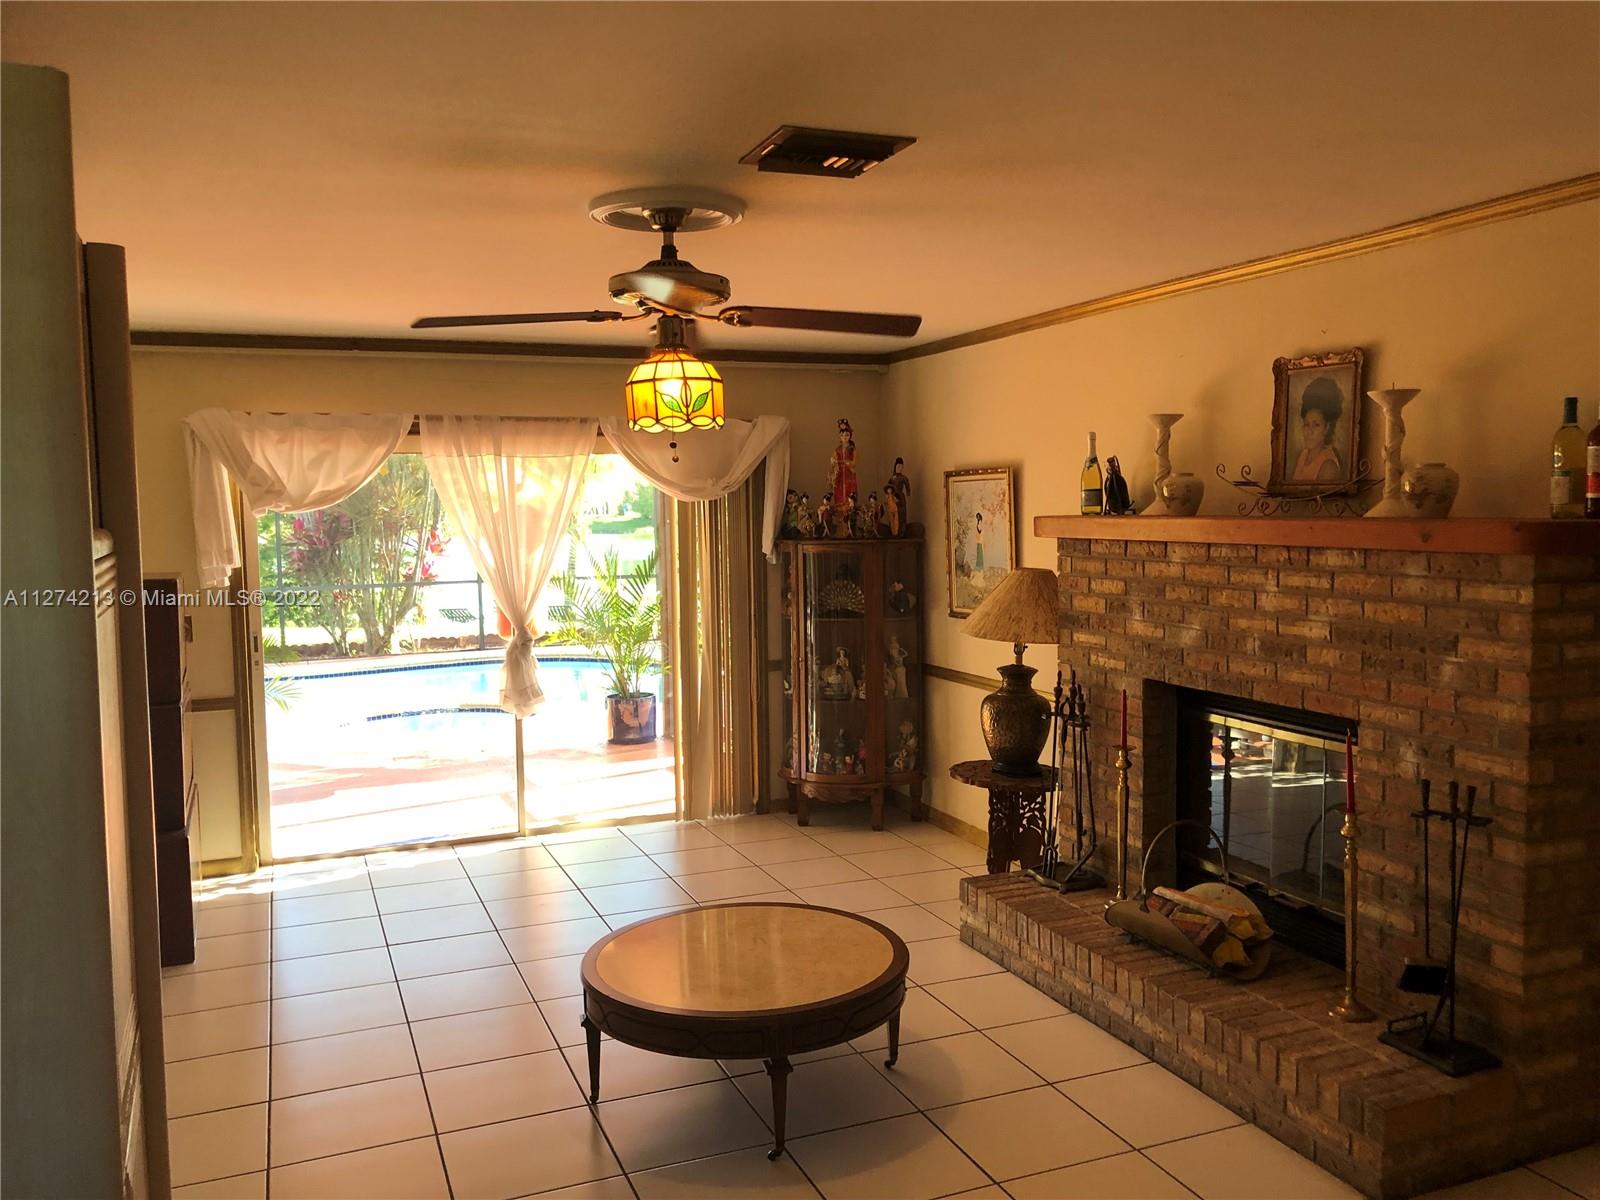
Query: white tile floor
{"type": "Point", "coordinates": [406, 1025]}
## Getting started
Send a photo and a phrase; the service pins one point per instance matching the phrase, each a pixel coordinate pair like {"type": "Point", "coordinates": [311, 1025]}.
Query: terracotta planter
{"type": "Point", "coordinates": [631, 720]}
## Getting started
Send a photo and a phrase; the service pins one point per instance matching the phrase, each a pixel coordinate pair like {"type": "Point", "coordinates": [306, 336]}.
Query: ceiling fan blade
{"type": "Point", "coordinates": [514, 319]}
{"type": "Point", "coordinates": [886, 324]}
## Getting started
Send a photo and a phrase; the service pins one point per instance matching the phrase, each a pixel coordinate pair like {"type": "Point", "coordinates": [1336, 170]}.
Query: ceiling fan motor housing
{"type": "Point", "coordinates": [676, 286]}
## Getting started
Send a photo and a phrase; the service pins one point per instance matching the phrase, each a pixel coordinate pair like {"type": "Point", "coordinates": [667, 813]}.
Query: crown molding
{"type": "Point", "coordinates": [1517, 204]}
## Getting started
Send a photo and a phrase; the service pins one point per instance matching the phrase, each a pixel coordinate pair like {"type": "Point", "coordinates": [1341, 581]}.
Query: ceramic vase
{"type": "Point", "coordinates": [1163, 423]}
{"type": "Point", "coordinates": [1429, 489]}
{"type": "Point", "coordinates": [1392, 401]}
{"type": "Point", "coordinates": [1179, 495]}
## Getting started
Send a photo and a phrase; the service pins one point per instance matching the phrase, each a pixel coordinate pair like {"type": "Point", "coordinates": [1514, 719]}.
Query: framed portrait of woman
{"type": "Point", "coordinates": [1316, 422]}
{"type": "Point", "coordinates": [980, 534]}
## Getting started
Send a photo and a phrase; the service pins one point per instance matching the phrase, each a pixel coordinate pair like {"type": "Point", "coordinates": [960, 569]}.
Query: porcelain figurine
{"type": "Point", "coordinates": [905, 758]}
{"type": "Point", "coordinates": [1429, 489]}
{"type": "Point", "coordinates": [896, 656]}
{"type": "Point", "coordinates": [842, 466]}
{"type": "Point", "coordinates": [825, 518]}
{"type": "Point", "coordinates": [842, 677]}
{"type": "Point", "coordinates": [791, 514]}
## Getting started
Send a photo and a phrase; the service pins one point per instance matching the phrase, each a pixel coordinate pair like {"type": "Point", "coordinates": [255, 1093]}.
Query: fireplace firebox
{"type": "Point", "coordinates": [1269, 782]}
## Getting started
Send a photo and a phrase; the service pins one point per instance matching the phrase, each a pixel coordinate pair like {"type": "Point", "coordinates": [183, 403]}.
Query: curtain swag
{"type": "Point", "coordinates": [282, 462]}
{"type": "Point", "coordinates": [713, 465]}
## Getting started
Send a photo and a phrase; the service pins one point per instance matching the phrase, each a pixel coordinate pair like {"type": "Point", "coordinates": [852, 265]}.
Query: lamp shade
{"type": "Point", "coordinates": [672, 391]}
{"type": "Point", "coordinates": [1023, 609]}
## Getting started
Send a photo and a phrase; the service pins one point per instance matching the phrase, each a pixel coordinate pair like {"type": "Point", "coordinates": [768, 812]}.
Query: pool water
{"type": "Point", "coordinates": [457, 699]}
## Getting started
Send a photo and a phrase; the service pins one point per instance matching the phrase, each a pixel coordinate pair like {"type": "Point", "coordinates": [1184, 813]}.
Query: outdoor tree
{"type": "Point", "coordinates": [368, 557]}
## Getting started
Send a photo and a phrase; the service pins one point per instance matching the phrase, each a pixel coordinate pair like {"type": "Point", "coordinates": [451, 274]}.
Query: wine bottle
{"type": "Point", "coordinates": [1591, 489]}
{"type": "Point", "coordinates": [1568, 454]}
{"type": "Point", "coordinates": [1093, 484]}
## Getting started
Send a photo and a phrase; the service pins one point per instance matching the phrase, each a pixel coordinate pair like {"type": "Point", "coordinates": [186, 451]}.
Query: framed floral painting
{"type": "Point", "coordinates": [980, 534]}
{"type": "Point", "coordinates": [1316, 422]}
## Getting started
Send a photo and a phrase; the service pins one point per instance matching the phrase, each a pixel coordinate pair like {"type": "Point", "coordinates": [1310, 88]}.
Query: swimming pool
{"type": "Point", "coordinates": [401, 702]}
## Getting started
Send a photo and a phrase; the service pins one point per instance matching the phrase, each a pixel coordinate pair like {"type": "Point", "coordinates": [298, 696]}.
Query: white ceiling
{"type": "Point", "coordinates": [341, 168]}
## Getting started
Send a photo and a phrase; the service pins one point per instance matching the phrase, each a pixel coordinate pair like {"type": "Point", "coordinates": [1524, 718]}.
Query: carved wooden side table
{"type": "Point", "coordinates": [1016, 812]}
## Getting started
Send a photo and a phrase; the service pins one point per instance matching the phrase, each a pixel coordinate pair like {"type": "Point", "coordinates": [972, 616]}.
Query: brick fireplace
{"type": "Point", "coordinates": [1465, 650]}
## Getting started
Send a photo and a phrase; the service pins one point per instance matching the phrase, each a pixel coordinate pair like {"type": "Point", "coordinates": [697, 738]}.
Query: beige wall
{"type": "Point", "coordinates": [170, 384]}
{"type": "Point", "coordinates": [1494, 324]}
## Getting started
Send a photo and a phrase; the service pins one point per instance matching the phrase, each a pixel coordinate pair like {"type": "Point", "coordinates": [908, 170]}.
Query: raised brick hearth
{"type": "Point", "coordinates": [1464, 650]}
{"type": "Point", "coordinates": [1376, 1118]}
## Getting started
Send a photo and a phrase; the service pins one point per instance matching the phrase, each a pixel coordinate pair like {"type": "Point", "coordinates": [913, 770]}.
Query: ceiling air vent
{"type": "Point", "coordinates": [795, 150]}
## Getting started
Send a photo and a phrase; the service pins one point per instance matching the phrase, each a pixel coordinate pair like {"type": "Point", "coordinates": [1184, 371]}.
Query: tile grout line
{"type": "Point", "coordinates": [560, 1050]}
{"type": "Point", "coordinates": [422, 1080]}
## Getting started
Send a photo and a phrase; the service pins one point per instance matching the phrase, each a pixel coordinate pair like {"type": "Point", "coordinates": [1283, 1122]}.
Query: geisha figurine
{"type": "Point", "coordinates": [842, 466]}
{"type": "Point", "coordinates": [845, 518]}
{"type": "Point", "coordinates": [805, 521]}
{"type": "Point", "coordinates": [897, 501]}
{"type": "Point", "coordinates": [825, 518]}
{"type": "Point", "coordinates": [791, 514]}
{"type": "Point", "coordinates": [868, 516]}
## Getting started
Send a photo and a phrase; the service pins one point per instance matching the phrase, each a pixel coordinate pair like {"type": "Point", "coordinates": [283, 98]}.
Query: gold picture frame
{"type": "Point", "coordinates": [980, 534]}
{"type": "Point", "coordinates": [1316, 422]}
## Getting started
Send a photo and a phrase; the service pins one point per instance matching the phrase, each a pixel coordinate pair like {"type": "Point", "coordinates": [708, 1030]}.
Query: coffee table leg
{"type": "Point", "coordinates": [593, 1032]}
{"type": "Point", "coordinates": [778, 1068]}
{"type": "Point", "coordinates": [894, 1040]}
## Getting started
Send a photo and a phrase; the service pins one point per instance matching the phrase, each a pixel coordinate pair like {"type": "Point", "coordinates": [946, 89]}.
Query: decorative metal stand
{"type": "Point", "coordinates": [1420, 1035]}
{"type": "Point", "coordinates": [1301, 500]}
{"type": "Point", "coordinates": [1069, 710]}
{"type": "Point", "coordinates": [1349, 1008]}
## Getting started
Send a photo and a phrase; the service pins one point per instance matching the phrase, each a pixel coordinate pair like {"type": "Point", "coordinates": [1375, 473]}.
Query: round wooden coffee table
{"type": "Point", "coordinates": [744, 981]}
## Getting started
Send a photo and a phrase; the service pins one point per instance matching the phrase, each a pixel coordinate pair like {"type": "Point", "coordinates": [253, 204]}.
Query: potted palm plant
{"type": "Point", "coordinates": [616, 612]}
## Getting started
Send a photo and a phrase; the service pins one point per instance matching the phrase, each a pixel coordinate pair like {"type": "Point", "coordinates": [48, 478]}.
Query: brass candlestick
{"type": "Point", "coordinates": [1349, 1009]}
{"type": "Point", "coordinates": [1122, 823]}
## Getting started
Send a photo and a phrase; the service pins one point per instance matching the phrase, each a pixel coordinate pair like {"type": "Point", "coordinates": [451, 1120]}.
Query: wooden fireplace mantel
{"type": "Point", "coordinates": [1459, 535]}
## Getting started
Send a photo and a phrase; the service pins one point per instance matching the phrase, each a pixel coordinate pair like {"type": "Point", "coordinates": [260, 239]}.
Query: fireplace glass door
{"type": "Point", "coordinates": [1273, 796]}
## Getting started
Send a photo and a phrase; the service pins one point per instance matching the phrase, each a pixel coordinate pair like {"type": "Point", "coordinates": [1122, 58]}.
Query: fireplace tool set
{"type": "Point", "coordinates": [1431, 1037]}
{"type": "Point", "coordinates": [1070, 711]}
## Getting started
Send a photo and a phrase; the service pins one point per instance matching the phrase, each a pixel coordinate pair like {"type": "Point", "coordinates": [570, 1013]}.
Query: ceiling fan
{"type": "Point", "coordinates": [671, 287]}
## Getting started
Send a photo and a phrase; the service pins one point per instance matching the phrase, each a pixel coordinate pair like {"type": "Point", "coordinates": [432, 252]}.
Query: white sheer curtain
{"type": "Point", "coordinates": [713, 464]}
{"type": "Point", "coordinates": [282, 462]}
{"type": "Point", "coordinates": [510, 485]}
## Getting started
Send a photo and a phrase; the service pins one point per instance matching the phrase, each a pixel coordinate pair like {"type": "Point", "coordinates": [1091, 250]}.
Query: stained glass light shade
{"type": "Point", "coordinates": [672, 391]}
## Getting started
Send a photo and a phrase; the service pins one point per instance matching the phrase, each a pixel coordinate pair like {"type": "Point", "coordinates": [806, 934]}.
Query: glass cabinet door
{"type": "Point", "coordinates": [835, 657]}
{"type": "Point", "coordinates": [902, 659]}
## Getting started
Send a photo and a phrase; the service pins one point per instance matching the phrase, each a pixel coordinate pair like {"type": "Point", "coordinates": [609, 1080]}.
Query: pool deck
{"type": "Point", "coordinates": [318, 808]}
{"type": "Point", "coordinates": [343, 780]}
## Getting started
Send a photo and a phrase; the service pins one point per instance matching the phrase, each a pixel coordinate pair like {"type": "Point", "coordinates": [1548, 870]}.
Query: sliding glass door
{"type": "Point", "coordinates": [378, 658]}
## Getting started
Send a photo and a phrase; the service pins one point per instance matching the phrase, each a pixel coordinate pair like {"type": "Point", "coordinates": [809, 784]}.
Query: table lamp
{"type": "Point", "coordinates": [1022, 610]}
